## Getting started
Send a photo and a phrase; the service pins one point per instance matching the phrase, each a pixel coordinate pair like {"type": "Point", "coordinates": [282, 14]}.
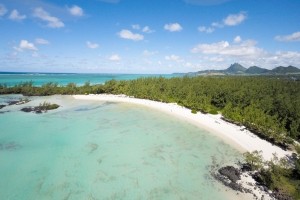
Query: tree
{"type": "Point", "coordinates": [254, 159]}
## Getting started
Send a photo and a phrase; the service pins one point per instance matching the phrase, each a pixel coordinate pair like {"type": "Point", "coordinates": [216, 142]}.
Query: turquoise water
{"type": "Point", "coordinates": [38, 79]}
{"type": "Point", "coordinates": [105, 150]}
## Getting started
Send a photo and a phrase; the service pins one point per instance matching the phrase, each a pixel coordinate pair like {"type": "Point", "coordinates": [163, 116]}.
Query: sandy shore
{"type": "Point", "coordinates": [236, 136]}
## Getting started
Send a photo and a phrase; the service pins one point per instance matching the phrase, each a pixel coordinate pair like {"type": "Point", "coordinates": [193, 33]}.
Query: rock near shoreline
{"type": "Point", "coordinates": [42, 108]}
{"type": "Point", "coordinates": [241, 180]}
{"type": "Point", "coordinates": [229, 176]}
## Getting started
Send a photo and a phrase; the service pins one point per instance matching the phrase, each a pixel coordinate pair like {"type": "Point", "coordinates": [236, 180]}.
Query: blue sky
{"type": "Point", "coordinates": [147, 36]}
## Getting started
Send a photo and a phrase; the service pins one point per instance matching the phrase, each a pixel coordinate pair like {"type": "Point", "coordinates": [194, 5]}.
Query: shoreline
{"type": "Point", "coordinates": [237, 136]}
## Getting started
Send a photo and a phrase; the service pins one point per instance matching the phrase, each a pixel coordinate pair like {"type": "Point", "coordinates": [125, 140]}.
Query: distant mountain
{"type": "Point", "coordinates": [285, 70]}
{"type": "Point", "coordinates": [256, 70]}
{"type": "Point", "coordinates": [236, 68]}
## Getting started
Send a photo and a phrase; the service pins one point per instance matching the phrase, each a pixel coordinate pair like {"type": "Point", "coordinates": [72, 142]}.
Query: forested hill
{"type": "Point", "coordinates": [237, 69]}
{"type": "Point", "coordinates": [269, 106]}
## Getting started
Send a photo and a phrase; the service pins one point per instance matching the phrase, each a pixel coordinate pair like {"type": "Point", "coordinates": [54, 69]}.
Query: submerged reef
{"type": "Point", "coordinates": [11, 146]}
{"type": "Point", "coordinates": [18, 102]}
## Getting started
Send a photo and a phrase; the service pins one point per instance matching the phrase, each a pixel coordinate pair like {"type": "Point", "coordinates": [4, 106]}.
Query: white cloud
{"type": "Point", "coordinates": [237, 39]}
{"type": "Point", "coordinates": [147, 29]}
{"type": "Point", "coordinates": [127, 34]}
{"type": "Point", "coordinates": [3, 10]}
{"type": "Point", "coordinates": [289, 38]}
{"type": "Point", "coordinates": [230, 20]}
{"type": "Point", "coordinates": [76, 11]}
{"type": "Point", "coordinates": [52, 22]}
{"type": "Point", "coordinates": [41, 41]}
{"type": "Point", "coordinates": [206, 29]}
{"type": "Point", "coordinates": [25, 45]}
{"type": "Point", "coordinates": [188, 64]}
{"type": "Point", "coordinates": [16, 16]}
{"type": "Point", "coordinates": [234, 19]}
{"type": "Point", "coordinates": [136, 26]}
{"type": "Point", "coordinates": [245, 48]}
{"type": "Point", "coordinates": [173, 27]}
{"type": "Point", "coordinates": [246, 52]}
{"type": "Point", "coordinates": [149, 53]}
{"type": "Point", "coordinates": [217, 24]}
{"type": "Point", "coordinates": [173, 58]}
{"type": "Point", "coordinates": [280, 58]}
{"type": "Point", "coordinates": [114, 57]}
{"type": "Point", "coordinates": [92, 45]}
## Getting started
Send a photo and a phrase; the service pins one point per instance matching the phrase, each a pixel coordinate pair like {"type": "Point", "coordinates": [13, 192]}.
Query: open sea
{"type": "Point", "coordinates": [38, 79]}
{"type": "Point", "coordinates": [104, 150]}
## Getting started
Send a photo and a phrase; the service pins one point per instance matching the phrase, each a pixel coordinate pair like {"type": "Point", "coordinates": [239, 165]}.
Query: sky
{"type": "Point", "coordinates": [147, 36]}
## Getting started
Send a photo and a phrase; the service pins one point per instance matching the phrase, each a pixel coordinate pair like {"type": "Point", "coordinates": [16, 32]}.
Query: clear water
{"type": "Point", "coordinates": [105, 150]}
{"type": "Point", "coordinates": [38, 79]}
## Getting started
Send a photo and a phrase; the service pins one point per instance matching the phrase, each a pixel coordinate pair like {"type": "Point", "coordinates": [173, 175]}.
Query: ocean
{"type": "Point", "coordinates": [38, 79]}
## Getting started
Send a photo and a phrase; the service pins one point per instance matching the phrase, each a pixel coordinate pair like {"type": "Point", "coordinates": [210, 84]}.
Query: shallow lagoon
{"type": "Point", "coordinates": [105, 150]}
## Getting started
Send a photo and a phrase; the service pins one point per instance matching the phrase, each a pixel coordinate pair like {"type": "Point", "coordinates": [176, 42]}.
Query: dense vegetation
{"type": "Point", "coordinates": [47, 106]}
{"type": "Point", "coordinates": [269, 106]}
{"type": "Point", "coordinates": [281, 175]}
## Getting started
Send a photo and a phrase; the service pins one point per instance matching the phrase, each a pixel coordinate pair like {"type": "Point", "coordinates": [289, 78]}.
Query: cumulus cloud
{"type": "Point", "coordinates": [173, 58]}
{"type": "Point", "coordinates": [289, 38]}
{"type": "Point", "coordinates": [237, 39]}
{"type": "Point", "coordinates": [245, 48]}
{"type": "Point", "coordinates": [92, 45]}
{"type": "Point", "coordinates": [149, 53]}
{"type": "Point", "coordinates": [147, 29]}
{"type": "Point", "coordinates": [52, 22]}
{"type": "Point", "coordinates": [206, 29]}
{"type": "Point", "coordinates": [16, 16]}
{"type": "Point", "coordinates": [230, 20]}
{"type": "Point", "coordinates": [217, 25]}
{"type": "Point", "coordinates": [76, 11]}
{"type": "Point", "coordinates": [127, 34]}
{"type": "Point", "coordinates": [3, 10]}
{"type": "Point", "coordinates": [25, 45]}
{"type": "Point", "coordinates": [173, 27]}
{"type": "Point", "coordinates": [279, 58]}
{"type": "Point", "coordinates": [246, 52]}
{"type": "Point", "coordinates": [234, 19]}
{"type": "Point", "coordinates": [114, 57]}
{"type": "Point", "coordinates": [41, 41]}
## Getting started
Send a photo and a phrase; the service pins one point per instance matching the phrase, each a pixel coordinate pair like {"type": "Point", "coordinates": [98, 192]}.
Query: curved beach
{"type": "Point", "coordinates": [234, 135]}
